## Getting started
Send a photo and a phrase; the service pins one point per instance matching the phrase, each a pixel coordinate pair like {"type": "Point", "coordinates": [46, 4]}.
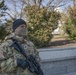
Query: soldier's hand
{"type": "Point", "coordinates": [22, 63]}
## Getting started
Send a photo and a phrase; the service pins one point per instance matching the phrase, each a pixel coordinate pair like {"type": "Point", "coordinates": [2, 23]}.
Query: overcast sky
{"type": "Point", "coordinates": [9, 5]}
{"type": "Point", "coordinates": [45, 1]}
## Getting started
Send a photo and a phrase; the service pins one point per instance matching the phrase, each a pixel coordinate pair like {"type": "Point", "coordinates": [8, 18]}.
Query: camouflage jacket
{"type": "Point", "coordinates": [8, 56]}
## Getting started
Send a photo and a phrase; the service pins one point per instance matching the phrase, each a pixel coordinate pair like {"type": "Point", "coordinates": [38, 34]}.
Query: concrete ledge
{"type": "Point", "coordinates": [56, 54]}
{"type": "Point", "coordinates": [73, 73]}
{"type": "Point", "coordinates": [58, 61]}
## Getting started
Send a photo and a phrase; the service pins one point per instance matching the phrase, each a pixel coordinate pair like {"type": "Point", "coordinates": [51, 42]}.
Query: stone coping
{"type": "Point", "coordinates": [56, 54]}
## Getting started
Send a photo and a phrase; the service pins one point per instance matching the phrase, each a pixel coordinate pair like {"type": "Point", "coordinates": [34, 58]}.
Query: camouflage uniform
{"type": "Point", "coordinates": [8, 56]}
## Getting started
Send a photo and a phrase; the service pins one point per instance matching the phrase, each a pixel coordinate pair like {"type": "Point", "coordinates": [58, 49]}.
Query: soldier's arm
{"type": "Point", "coordinates": [36, 53]}
{"type": "Point", "coordinates": [7, 61]}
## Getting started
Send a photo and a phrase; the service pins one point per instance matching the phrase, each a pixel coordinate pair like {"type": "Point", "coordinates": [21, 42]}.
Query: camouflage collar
{"type": "Point", "coordinates": [12, 35]}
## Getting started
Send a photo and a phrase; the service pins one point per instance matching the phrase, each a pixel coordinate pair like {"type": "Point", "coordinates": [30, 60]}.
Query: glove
{"type": "Point", "coordinates": [22, 63]}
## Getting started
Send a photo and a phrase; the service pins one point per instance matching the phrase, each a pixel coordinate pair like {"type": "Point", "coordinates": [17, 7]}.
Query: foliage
{"type": "Point", "coordinates": [72, 15]}
{"type": "Point", "coordinates": [3, 8]}
{"type": "Point", "coordinates": [70, 24]}
{"type": "Point", "coordinates": [41, 23]}
{"type": "Point", "coordinates": [3, 32]}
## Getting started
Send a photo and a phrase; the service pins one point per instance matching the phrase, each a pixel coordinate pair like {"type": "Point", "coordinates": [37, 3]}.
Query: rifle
{"type": "Point", "coordinates": [33, 64]}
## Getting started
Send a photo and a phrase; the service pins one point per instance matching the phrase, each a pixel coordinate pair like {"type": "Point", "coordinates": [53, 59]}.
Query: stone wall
{"type": "Point", "coordinates": [58, 61]}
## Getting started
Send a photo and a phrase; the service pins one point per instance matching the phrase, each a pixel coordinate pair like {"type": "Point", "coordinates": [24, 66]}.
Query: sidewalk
{"type": "Point", "coordinates": [61, 42]}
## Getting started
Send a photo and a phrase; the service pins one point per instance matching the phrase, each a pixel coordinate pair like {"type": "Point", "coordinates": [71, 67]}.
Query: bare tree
{"type": "Point", "coordinates": [47, 3]}
{"type": "Point", "coordinates": [16, 7]}
{"type": "Point", "coordinates": [57, 3]}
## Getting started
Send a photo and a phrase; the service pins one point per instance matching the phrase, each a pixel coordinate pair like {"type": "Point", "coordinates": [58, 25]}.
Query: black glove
{"type": "Point", "coordinates": [22, 63]}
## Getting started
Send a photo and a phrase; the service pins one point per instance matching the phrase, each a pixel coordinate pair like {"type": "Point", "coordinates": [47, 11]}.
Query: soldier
{"type": "Point", "coordinates": [13, 62]}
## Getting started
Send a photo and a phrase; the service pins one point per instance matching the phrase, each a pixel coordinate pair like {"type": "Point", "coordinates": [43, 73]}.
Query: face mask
{"type": "Point", "coordinates": [21, 31]}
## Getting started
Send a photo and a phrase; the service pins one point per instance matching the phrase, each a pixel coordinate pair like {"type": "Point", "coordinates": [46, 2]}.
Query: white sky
{"type": "Point", "coordinates": [8, 3]}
